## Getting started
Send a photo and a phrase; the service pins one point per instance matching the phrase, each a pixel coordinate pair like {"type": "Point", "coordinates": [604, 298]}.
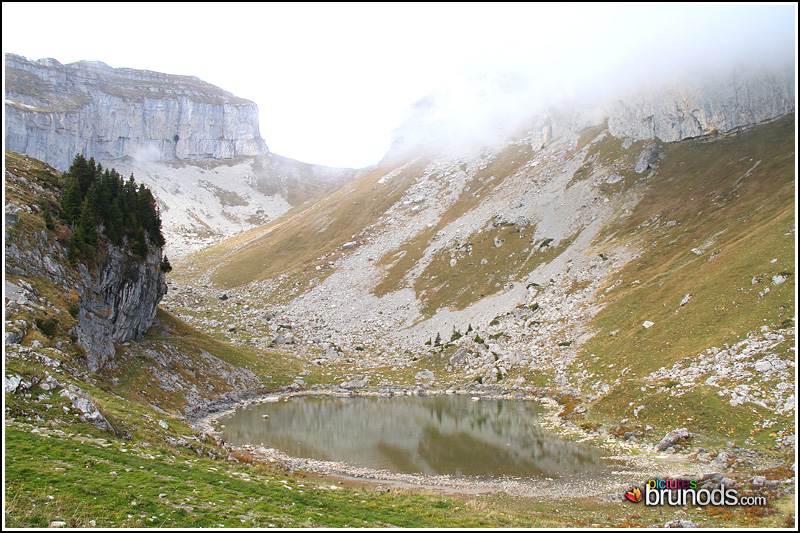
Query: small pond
{"type": "Point", "coordinates": [432, 435]}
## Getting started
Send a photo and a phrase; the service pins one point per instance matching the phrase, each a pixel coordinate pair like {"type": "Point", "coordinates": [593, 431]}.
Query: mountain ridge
{"type": "Point", "coordinates": [54, 110]}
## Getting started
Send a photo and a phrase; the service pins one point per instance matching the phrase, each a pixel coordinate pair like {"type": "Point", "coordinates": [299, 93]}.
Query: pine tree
{"type": "Point", "coordinates": [140, 244]}
{"type": "Point", "coordinates": [86, 226]}
{"type": "Point", "coordinates": [82, 173]}
{"type": "Point", "coordinates": [72, 200]}
{"type": "Point", "coordinates": [46, 216]}
{"type": "Point", "coordinates": [114, 223]}
{"type": "Point", "coordinates": [165, 266]}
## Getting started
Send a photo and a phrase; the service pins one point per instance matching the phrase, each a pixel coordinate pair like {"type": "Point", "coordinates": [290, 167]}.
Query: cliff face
{"type": "Point", "coordinates": [694, 106]}
{"type": "Point", "coordinates": [116, 294]}
{"type": "Point", "coordinates": [118, 302]}
{"type": "Point", "coordinates": [687, 110]}
{"type": "Point", "coordinates": [54, 111]}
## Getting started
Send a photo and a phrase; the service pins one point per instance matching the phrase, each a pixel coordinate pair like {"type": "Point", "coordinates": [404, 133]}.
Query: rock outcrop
{"type": "Point", "coordinates": [691, 109]}
{"type": "Point", "coordinates": [53, 111]}
{"type": "Point", "coordinates": [704, 104]}
{"type": "Point", "coordinates": [118, 303]}
{"type": "Point", "coordinates": [116, 293]}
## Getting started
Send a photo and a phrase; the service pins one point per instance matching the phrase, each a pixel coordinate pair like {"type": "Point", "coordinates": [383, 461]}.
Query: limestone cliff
{"type": "Point", "coordinates": [54, 111]}
{"type": "Point", "coordinates": [684, 110]}
{"type": "Point", "coordinates": [686, 107]}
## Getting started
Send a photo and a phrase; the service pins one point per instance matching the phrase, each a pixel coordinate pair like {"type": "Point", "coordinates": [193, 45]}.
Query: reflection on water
{"type": "Point", "coordinates": [429, 435]}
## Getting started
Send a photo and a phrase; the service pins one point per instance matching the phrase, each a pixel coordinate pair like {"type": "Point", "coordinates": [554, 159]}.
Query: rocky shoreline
{"type": "Point", "coordinates": [629, 464]}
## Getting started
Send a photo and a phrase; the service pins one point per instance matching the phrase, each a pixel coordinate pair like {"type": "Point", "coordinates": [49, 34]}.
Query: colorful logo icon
{"type": "Point", "coordinates": [634, 495]}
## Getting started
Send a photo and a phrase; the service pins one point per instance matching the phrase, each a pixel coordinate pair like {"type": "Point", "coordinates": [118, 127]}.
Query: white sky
{"type": "Point", "coordinates": [332, 80]}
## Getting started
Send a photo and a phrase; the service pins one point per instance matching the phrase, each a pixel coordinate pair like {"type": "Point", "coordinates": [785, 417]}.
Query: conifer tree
{"type": "Point", "coordinates": [86, 226]}
{"type": "Point", "coordinates": [165, 266]}
{"type": "Point", "coordinates": [72, 200]}
{"type": "Point", "coordinates": [140, 244]}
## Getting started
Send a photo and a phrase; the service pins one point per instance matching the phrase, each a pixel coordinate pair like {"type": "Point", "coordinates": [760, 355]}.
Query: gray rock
{"type": "Point", "coordinates": [649, 158]}
{"type": "Point", "coordinates": [119, 302]}
{"type": "Point", "coordinates": [353, 384]}
{"type": "Point", "coordinates": [723, 104]}
{"type": "Point", "coordinates": [425, 375]}
{"type": "Point", "coordinates": [13, 337]}
{"type": "Point", "coordinates": [77, 108]}
{"type": "Point", "coordinates": [723, 459]}
{"type": "Point", "coordinates": [680, 523]}
{"type": "Point", "coordinates": [763, 366]}
{"type": "Point", "coordinates": [673, 437]}
{"type": "Point", "coordinates": [81, 401]}
{"type": "Point", "coordinates": [10, 383]}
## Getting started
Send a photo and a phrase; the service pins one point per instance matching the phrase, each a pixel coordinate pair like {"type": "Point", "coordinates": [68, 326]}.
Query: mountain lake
{"type": "Point", "coordinates": [452, 434]}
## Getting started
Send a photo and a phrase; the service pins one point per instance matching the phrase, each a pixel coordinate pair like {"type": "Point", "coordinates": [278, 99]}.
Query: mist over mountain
{"type": "Point", "coordinates": [613, 238]}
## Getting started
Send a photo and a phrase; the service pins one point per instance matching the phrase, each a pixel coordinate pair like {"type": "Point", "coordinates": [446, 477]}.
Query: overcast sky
{"type": "Point", "coordinates": [332, 80]}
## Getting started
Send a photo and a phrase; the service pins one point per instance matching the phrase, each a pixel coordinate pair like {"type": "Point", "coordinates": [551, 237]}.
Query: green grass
{"type": "Point", "coordinates": [742, 224]}
{"type": "Point", "coordinates": [157, 486]}
{"type": "Point", "coordinates": [303, 239]}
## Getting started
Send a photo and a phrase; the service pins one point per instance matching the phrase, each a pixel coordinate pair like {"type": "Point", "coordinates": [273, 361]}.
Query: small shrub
{"type": "Point", "coordinates": [47, 326]}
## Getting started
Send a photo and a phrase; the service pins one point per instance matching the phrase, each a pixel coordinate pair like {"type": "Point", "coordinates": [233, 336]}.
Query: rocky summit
{"type": "Point", "coordinates": [628, 262]}
{"type": "Point", "coordinates": [54, 111]}
{"type": "Point", "coordinates": [196, 146]}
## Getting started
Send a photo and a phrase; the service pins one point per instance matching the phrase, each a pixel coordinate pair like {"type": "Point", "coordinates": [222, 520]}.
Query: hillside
{"type": "Point", "coordinates": [120, 447]}
{"type": "Point", "coordinates": [649, 285]}
{"type": "Point", "coordinates": [630, 266]}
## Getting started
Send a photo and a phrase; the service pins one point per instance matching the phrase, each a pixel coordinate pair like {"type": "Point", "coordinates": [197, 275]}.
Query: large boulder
{"type": "Point", "coordinates": [673, 437]}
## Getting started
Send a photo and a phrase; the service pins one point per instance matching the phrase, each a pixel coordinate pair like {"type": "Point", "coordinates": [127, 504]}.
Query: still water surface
{"type": "Point", "coordinates": [432, 435]}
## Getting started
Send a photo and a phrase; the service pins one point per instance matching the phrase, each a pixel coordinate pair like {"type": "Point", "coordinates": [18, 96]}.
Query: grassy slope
{"type": "Point", "coordinates": [60, 469]}
{"type": "Point", "coordinates": [742, 223]}
{"type": "Point", "coordinates": [305, 238]}
{"type": "Point", "coordinates": [697, 185]}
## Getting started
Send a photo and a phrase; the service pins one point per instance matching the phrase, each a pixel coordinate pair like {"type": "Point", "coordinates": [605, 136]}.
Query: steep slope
{"type": "Point", "coordinates": [573, 260]}
{"type": "Point", "coordinates": [202, 202]}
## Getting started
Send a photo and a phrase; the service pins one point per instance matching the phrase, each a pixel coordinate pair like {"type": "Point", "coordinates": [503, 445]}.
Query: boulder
{"type": "Point", "coordinates": [425, 375]}
{"type": "Point", "coordinates": [649, 158]}
{"type": "Point", "coordinates": [673, 437]}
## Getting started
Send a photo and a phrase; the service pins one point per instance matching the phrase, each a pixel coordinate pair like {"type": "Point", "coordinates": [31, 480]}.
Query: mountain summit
{"type": "Point", "coordinates": [54, 111]}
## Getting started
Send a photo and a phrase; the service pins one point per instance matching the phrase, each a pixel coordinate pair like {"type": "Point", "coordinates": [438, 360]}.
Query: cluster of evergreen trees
{"type": "Point", "coordinates": [97, 197]}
